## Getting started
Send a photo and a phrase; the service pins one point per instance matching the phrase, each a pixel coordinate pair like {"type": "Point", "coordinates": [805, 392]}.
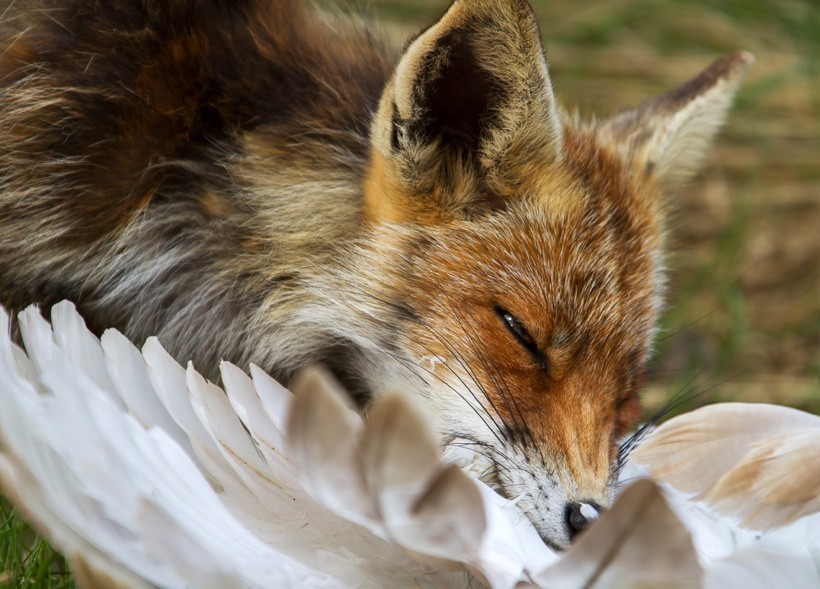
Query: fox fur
{"type": "Point", "coordinates": [257, 181]}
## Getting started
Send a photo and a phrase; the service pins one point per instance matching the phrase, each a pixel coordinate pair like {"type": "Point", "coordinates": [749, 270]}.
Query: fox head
{"type": "Point", "coordinates": [513, 268]}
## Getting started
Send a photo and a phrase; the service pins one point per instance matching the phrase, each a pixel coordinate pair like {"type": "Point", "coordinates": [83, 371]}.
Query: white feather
{"type": "Point", "coordinates": [399, 456]}
{"type": "Point", "coordinates": [757, 568]}
{"type": "Point", "coordinates": [786, 557]}
{"type": "Point", "coordinates": [150, 502]}
{"type": "Point", "coordinates": [169, 381]}
{"type": "Point", "coordinates": [144, 474]}
{"type": "Point", "coordinates": [270, 440]}
{"type": "Point", "coordinates": [323, 439]}
{"type": "Point", "coordinates": [638, 543]}
{"type": "Point", "coordinates": [38, 338]}
{"type": "Point", "coordinates": [418, 497]}
{"type": "Point", "coordinates": [129, 375]}
{"type": "Point", "coordinates": [275, 398]}
{"type": "Point", "coordinates": [713, 535]}
{"type": "Point", "coordinates": [448, 521]}
{"type": "Point", "coordinates": [82, 349]}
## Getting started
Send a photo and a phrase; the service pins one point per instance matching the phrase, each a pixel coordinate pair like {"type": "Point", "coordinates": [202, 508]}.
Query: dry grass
{"type": "Point", "coordinates": [744, 316]}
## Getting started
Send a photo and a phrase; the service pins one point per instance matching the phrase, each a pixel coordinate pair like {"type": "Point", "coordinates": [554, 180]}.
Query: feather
{"type": "Point", "coordinates": [449, 520]}
{"type": "Point", "coordinates": [776, 483]}
{"type": "Point", "coordinates": [637, 543]}
{"type": "Point", "coordinates": [512, 549]}
{"type": "Point", "coordinates": [435, 512]}
{"type": "Point", "coordinates": [82, 349]}
{"type": "Point", "coordinates": [35, 449]}
{"type": "Point", "coordinates": [757, 568]}
{"type": "Point", "coordinates": [245, 398]}
{"type": "Point", "coordinates": [90, 566]}
{"type": "Point", "coordinates": [323, 438]}
{"type": "Point", "coordinates": [399, 456]}
{"type": "Point", "coordinates": [169, 380]}
{"type": "Point", "coordinates": [756, 462]}
{"type": "Point", "coordinates": [129, 377]}
{"type": "Point", "coordinates": [148, 505]}
{"type": "Point", "coordinates": [22, 413]}
{"type": "Point", "coordinates": [275, 399]}
{"type": "Point", "coordinates": [714, 536]}
{"type": "Point", "coordinates": [786, 557]}
{"type": "Point", "coordinates": [211, 406]}
{"type": "Point", "coordinates": [418, 498]}
{"type": "Point", "coordinates": [37, 336]}
{"type": "Point", "coordinates": [150, 476]}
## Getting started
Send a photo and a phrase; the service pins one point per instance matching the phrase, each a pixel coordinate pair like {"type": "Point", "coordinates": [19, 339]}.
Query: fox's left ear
{"type": "Point", "coordinates": [468, 105]}
{"type": "Point", "coordinates": [667, 137]}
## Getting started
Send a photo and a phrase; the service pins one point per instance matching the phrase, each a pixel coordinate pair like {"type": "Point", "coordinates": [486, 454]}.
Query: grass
{"type": "Point", "coordinates": [743, 320]}
{"type": "Point", "coordinates": [27, 560]}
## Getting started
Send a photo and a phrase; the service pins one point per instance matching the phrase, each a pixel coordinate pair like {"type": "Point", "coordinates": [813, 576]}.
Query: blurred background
{"type": "Point", "coordinates": [743, 316]}
{"type": "Point", "coordinates": [743, 319]}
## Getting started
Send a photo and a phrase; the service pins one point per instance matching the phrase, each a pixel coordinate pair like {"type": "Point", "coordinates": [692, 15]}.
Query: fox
{"type": "Point", "coordinates": [267, 182]}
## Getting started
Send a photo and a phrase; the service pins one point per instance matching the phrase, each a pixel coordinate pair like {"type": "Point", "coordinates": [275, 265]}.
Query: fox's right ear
{"type": "Point", "coordinates": [469, 103]}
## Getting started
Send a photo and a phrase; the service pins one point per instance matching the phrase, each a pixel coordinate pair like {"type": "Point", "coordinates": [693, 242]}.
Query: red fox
{"type": "Point", "coordinates": [255, 181]}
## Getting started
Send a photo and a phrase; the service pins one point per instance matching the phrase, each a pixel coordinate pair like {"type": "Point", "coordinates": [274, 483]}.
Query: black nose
{"type": "Point", "coordinates": [579, 516]}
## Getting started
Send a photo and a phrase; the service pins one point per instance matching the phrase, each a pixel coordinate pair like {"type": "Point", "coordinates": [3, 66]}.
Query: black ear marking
{"type": "Point", "coordinates": [394, 130]}
{"type": "Point", "coordinates": [457, 98]}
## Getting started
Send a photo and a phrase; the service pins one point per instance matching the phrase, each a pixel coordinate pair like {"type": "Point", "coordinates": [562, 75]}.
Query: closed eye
{"type": "Point", "coordinates": [521, 335]}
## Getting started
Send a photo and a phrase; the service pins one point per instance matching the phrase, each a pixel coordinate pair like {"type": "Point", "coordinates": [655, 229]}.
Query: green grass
{"type": "Point", "coordinates": [743, 321]}
{"type": "Point", "coordinates": [27, 560]}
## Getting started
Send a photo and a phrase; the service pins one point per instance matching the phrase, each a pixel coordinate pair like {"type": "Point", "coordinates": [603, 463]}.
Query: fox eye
{"type": "Point", "coordinates": [520, 333]}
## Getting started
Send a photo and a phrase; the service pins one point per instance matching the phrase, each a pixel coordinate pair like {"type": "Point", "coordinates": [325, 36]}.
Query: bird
{"type": "Point", "coordinates": [144, 474]}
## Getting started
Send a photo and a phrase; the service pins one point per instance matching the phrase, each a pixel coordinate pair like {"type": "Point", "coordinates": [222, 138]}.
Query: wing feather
{"type": "Point", "coordinates": [638, 543]}
{"type": "Point", "coordinates": [757, 462]}
{"type": "Point", "coordinates": [323, 441]}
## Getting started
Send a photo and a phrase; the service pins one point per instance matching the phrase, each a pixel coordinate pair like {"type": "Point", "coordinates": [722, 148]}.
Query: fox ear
{"type": "Point", "coordinates": [470, 98]}
{"type": "Point", "coordinates": [668, 136]}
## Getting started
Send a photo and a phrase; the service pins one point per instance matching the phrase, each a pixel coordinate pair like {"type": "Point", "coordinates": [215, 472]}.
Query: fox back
{"type": "Point", "coordinates": [260, 182]}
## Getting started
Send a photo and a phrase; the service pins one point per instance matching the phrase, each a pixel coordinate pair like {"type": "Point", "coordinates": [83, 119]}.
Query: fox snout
{"type": "Point", "coordinates": [559, 503]}
{"type": "Point", "coordinates": [558, 513]}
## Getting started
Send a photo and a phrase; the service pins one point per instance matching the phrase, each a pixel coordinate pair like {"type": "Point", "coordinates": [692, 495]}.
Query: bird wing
{"type": "Point", "coordinates": [756, 462]}
{"type": "Point", "coordinates": [178, 493]}
{"type": "Point", "coordinates": [145, 474]}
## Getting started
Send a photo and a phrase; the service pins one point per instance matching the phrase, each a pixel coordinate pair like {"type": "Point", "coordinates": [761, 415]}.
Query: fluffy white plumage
{"type": "Point", "coordinates": [144, 474]}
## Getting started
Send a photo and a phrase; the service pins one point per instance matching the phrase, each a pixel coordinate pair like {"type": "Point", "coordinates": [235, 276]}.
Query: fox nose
{"type": "Point", "coordinates": [579, 515]}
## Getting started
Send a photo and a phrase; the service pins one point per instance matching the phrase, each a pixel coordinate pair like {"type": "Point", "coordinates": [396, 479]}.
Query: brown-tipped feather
{"type": "Point", "coordinates": [755, 462]}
